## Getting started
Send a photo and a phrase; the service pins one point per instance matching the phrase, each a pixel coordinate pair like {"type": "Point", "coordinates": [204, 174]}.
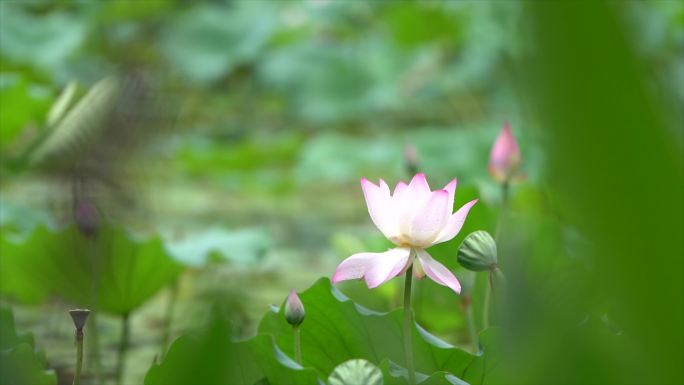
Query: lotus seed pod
{"type": "Point", "coordinates": [478, 252]}
{"type": "Point", "coordinates": [79, 316]}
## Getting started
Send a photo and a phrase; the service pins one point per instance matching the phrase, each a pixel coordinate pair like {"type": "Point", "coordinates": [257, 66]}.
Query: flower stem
{"type": "Point", "coordinates": [408, 349]}
{"type": "Point", "coordinates": [94, 349]}
{"type": "Point", "coordinates": [123, 348]}
{"type": "Point", "coordinates": [502, 212]}
{"type": "Point", "coordinates": [485, 310]}
{"type": "Point", "coordinates": [297, 344]}
{"type": "Point", "coordinates": [497, 236]}
{"type": "Point", "coordinates": [94, 357]}
{"type": "Point", "coordinates": [79, 357]}
{"type": "Point", "coordinates": [472, 331]}
{"type": "Point", "coordinates": [168, 317]}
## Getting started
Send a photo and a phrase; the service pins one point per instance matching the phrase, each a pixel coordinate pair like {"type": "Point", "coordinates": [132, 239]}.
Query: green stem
{"type": "Point", "coordinates": [408, 349]}
{"type": "Point", "coordinates": [502, 212]}
{"type": "Point", "coordinates": [488, 291]}
{"type": "Point", "coordinates": [168, 317]}
{"type": "Point", "coordinates": [485, 310]}
{"type": "Point", "coordinates": [472, 328]}
{"type": "Point", "coordinates": [94, 347]}
{"type": "Point", "coordinates": [297, 344]}
{"type": "Point", "coordinates": [123, 348]}
{"type": "Point", "coordinates": [79, 357]}
{"type": "Point", "coordinates": [94, 339]}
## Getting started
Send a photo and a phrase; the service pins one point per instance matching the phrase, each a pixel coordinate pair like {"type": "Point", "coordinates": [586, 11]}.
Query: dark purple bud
{"type": "Point", "coordinates": [87, 217]}
{"type": "Point", "coordinates": [411, 159]}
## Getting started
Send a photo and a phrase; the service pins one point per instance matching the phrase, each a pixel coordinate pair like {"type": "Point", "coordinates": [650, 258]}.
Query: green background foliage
{"type": "Point", "coordinates": [231, 176]}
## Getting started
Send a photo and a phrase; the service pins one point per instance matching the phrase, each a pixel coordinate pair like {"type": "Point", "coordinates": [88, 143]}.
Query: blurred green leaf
{"type": "Point", "coordinates": [414, 23]}
{"type": "Point", "coordinates": [243, 247]}
{"type": "Point", "coordinates": [43, 41]}
{"type": "Point", "coordinates": [211, 357]}
{"type": "Point", "coordinates": [79, 126]}
{"type": "Point", "coordinates": [112, 273]}
{"type": "Point", "coordinates": [62, 104]}
{"type": "Point", "coordinates": [394, 374]}
{"type": "Point", "coordinates": [209, 40]}
{"type": "Point", "coordinates": [20, 363]}
{"type": "Point", "coordinates": [22, 105]}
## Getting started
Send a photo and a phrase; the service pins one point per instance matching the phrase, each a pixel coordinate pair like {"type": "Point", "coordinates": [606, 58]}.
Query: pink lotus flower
{"type": "Point", "coordinates": [413, 218]}
{"type": "Point", "coordinates": [505, 156]}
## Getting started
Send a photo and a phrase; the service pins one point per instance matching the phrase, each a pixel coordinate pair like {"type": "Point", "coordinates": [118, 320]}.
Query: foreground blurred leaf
{"type": "Point", "coordinates": [20, 363]}
{"type": "Point", "coordinates": [210, 357]}
{"type": "Point", "coordinates": [337, 330]}
{"type": "Point", "coordinates": [615, 174]}
{"type": "Point", "coordinates": [113, 273]}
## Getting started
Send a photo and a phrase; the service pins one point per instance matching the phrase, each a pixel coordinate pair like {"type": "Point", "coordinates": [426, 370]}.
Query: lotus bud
{"type": "Point", "coordinates": [411, 159]}
{"type": "Point", "coordinates": [504, 159]}
{"type": "Point", "coordinates": [478, 252]}
{"type": "Point", "coordinates": [294, 309]}
{"type": "Point", "coordinates": [86, 216]}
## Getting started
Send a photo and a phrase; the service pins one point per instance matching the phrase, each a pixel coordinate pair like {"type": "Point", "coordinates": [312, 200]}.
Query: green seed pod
{"type": "Point", "coordinates": [478, 252]}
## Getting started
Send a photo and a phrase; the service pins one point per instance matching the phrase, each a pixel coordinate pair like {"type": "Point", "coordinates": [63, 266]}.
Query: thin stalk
{"type": "Point", "coordinates": [472, 331]}
{"type": "Point", "coordinates": [123, 348]}
{"type": "Point", "coordinates": [94, 347]}
{"type": "Point", "coordinates": [488, 291]}
{"type": "Point", "coordinates": [485, 310]}
{"type": "Point", "coordinates": [79, 357]}
{"type": "Point", "coordinates": [408, 349]}
{"type": "Point", "coordinates": [168, 317]}
{"type": "Point", "coordinates": [94, 339]}
{"type": "Point", "coordinates": [502, 212]}
{"type": "Point", "coordinates": [297, 344]}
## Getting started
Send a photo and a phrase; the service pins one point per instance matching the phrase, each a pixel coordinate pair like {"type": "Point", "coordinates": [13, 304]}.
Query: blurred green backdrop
{"type": "Point", "coordinates": [267, 113]}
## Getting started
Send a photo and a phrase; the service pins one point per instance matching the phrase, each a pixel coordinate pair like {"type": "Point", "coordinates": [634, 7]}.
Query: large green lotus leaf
{"type": "Point", "coordinates": [394, 374]}
{"type": "Point", "coordinates": [113, 272]}
{"type": "Point", "coordinates": [210, 356]}
{"type": "Point", "coordinates": [20, 363]}
{"type": "Point", "coordinates": [336, 330]}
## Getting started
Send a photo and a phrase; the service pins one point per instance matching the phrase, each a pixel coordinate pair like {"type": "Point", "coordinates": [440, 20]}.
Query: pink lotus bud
{"type": "Point", "coordinates": [411, 159]}
{"type": "Point", "coordinates": [294, 309]}
{"type": "Point", "coordinates": [504, 159]}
